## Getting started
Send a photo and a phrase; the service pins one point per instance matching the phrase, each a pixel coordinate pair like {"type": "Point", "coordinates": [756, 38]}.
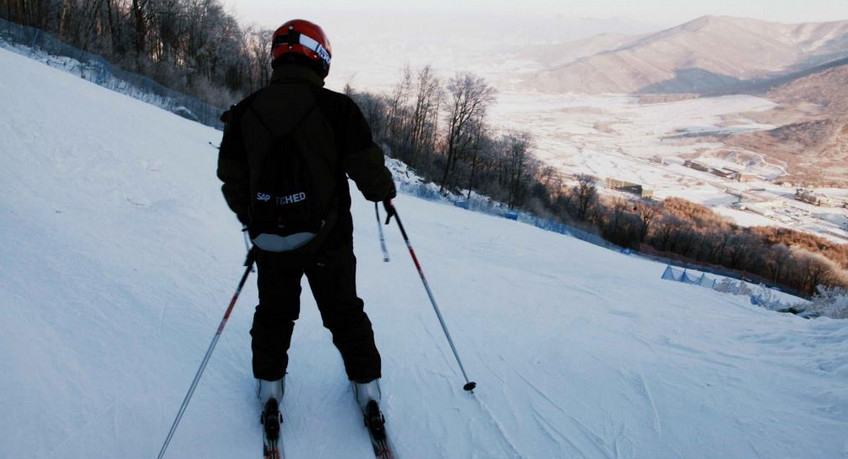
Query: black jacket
{"type": "Point", "coordinates": [277, 108]}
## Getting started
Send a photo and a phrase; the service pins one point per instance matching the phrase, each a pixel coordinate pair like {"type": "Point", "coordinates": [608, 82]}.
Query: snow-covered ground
{"type": "Point", "coordinates": [616, 136]}
{"type": "Point", "coordinates": [118, 257]}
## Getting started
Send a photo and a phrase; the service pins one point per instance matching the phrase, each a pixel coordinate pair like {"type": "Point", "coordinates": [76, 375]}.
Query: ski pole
{"type": "Point", "coordinates": [251, 257]}
{"type": "Point", "coordinates": [380, 229]}
{"type": "Point", "coordinates": [469, 385]}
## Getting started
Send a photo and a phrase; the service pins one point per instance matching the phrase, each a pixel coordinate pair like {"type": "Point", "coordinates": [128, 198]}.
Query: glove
{"type": "Point", "coordinates": [390, 209]}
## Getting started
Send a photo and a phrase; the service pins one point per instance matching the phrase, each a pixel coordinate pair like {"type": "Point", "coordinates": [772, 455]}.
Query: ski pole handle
{"type": "Point", "coordinates": [246, 238]}
{"type": "Point", "coordinates": [390, 210]}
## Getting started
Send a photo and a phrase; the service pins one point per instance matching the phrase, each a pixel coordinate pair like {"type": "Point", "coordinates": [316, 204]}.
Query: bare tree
{"type": "Point", "coordinates": [258, 43]}
{"type": "Point", "coordinates": [521, 167]}
{"type": "Point", "coordinates": [479, 137]}
{"type": "Point", "coordinates": [585, 194]}
{"type": "Point", "coordinates": [398, 105]}
{"type": "Point", "coordinates": [469, 98]}
{"type": "Point", "coordinates": [615, 218]}
{"type": "Point", "coordinates": [669, 229]}
{"type": "Point", "coordinates": [778, 259]}
{"type": "Point", "coordinates": [140, 17]}
{"type": "Point", "coordinates": [551, 179]}
{"type": "Point", "coordinates": [375, 110]}
{"type": "Point", "coordinates": [814, 270]}
{"type": "Point", "coordinates": [647, 212]}
{"type": "Point", "coordinates": [425, 114]}
{"type": "Point", "coordinates": [738, 251]}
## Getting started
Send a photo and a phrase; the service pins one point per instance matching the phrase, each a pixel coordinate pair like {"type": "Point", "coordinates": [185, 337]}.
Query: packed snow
{"type": "Point", "coordinates": [119, 256]}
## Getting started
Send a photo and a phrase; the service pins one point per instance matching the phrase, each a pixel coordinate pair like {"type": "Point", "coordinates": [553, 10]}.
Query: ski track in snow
{"type": "Point", "coordinates": [506, 444]}
{"type": "Point", "coordinates": [639, 385]}
{"type": "Point", "coordinates": [565, 444]}
{"type": "Point", "coordinates": [601, 444]}
{"type": "Point", "coordinates": [118, 257]}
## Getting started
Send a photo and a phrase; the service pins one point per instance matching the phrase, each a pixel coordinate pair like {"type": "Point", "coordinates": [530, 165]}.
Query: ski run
{"type": "Point", "coordinates": [118, 256]}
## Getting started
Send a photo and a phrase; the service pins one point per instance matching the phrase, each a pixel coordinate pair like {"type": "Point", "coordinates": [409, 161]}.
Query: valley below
{"type": "Point", "coordinates": [736, 114]}
{"type": "Point", "coordinates": [707, 150]}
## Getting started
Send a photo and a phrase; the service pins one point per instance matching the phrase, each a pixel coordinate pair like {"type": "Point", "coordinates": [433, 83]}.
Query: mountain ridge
{"type": "Point", "coordinates": [811, 136]}
{"type": "Point", "coordinates": [728, 47]}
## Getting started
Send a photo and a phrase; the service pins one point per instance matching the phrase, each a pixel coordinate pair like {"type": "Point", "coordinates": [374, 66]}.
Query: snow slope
{"type": "Point", "coordinates": [118, 257]}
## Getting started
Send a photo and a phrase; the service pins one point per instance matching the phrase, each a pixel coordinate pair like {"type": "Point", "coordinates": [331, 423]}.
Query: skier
{"type": "Point", "coordinates": [295, 105]}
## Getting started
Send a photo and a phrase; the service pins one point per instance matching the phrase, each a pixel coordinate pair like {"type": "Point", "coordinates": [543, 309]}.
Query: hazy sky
{"type": "Point", "coordinates": [657, 12]}
{"type": "Point", "coordinates": [372, 40]}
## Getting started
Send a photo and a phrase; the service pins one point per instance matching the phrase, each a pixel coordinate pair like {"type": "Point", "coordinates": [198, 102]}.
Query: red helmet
{"type": "Point", "coordinates": [303, 37]}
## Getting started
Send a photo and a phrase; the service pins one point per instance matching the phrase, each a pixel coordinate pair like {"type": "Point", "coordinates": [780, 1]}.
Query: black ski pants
{"type": "Point", "coordinates": [331, 273]}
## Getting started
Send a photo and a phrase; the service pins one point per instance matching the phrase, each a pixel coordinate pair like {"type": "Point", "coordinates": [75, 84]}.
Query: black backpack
{"type": "Point", "coordinates": [293, 196]}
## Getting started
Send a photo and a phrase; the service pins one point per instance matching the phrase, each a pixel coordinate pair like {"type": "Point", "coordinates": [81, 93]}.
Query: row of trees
{"type": "Point", "coordinates": [692, 233]}
{"type": "Point", "coordinates": [192, 46]}
{"type": "Point", "coordinates": [440, 129]}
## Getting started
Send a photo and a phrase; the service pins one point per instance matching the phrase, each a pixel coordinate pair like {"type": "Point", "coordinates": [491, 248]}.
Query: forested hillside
{"type": "Point", "coordinates": [193, 46]}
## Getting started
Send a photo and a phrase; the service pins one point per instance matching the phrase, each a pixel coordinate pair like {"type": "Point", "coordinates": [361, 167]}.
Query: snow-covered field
{"type": "Point", "coordinates": [118, 257]}
{"type": "Point", "coordinates": [617, 137]}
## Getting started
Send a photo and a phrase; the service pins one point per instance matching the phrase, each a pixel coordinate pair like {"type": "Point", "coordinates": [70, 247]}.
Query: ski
{"type": "Point", "coordinates": [376, 424]}
{"type": "Point", "coordinates": [271, 419]}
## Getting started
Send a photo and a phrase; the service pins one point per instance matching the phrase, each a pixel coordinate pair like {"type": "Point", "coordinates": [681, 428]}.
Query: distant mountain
{"type": "Point", "coordinates": [712, 54]}
{"type": "Point", "coordinates": [561, 54]}
{"type": "Point", "coordinates": [812, 134]}
{"type": "Point", "coordinates": [827, 88]}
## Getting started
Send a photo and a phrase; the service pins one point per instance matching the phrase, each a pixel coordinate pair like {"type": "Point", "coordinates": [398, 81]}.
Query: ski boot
{"type": "Point", "coordinates": [271, 418]}
{"type": "Point", "coordinates": [271, 393]}
{"type": "Point", "coordinates": [368, 396]}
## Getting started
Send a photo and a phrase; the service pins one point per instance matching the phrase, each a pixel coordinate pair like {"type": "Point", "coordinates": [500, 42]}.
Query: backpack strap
{"type": "Point", "coordinates": [296, 125]}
